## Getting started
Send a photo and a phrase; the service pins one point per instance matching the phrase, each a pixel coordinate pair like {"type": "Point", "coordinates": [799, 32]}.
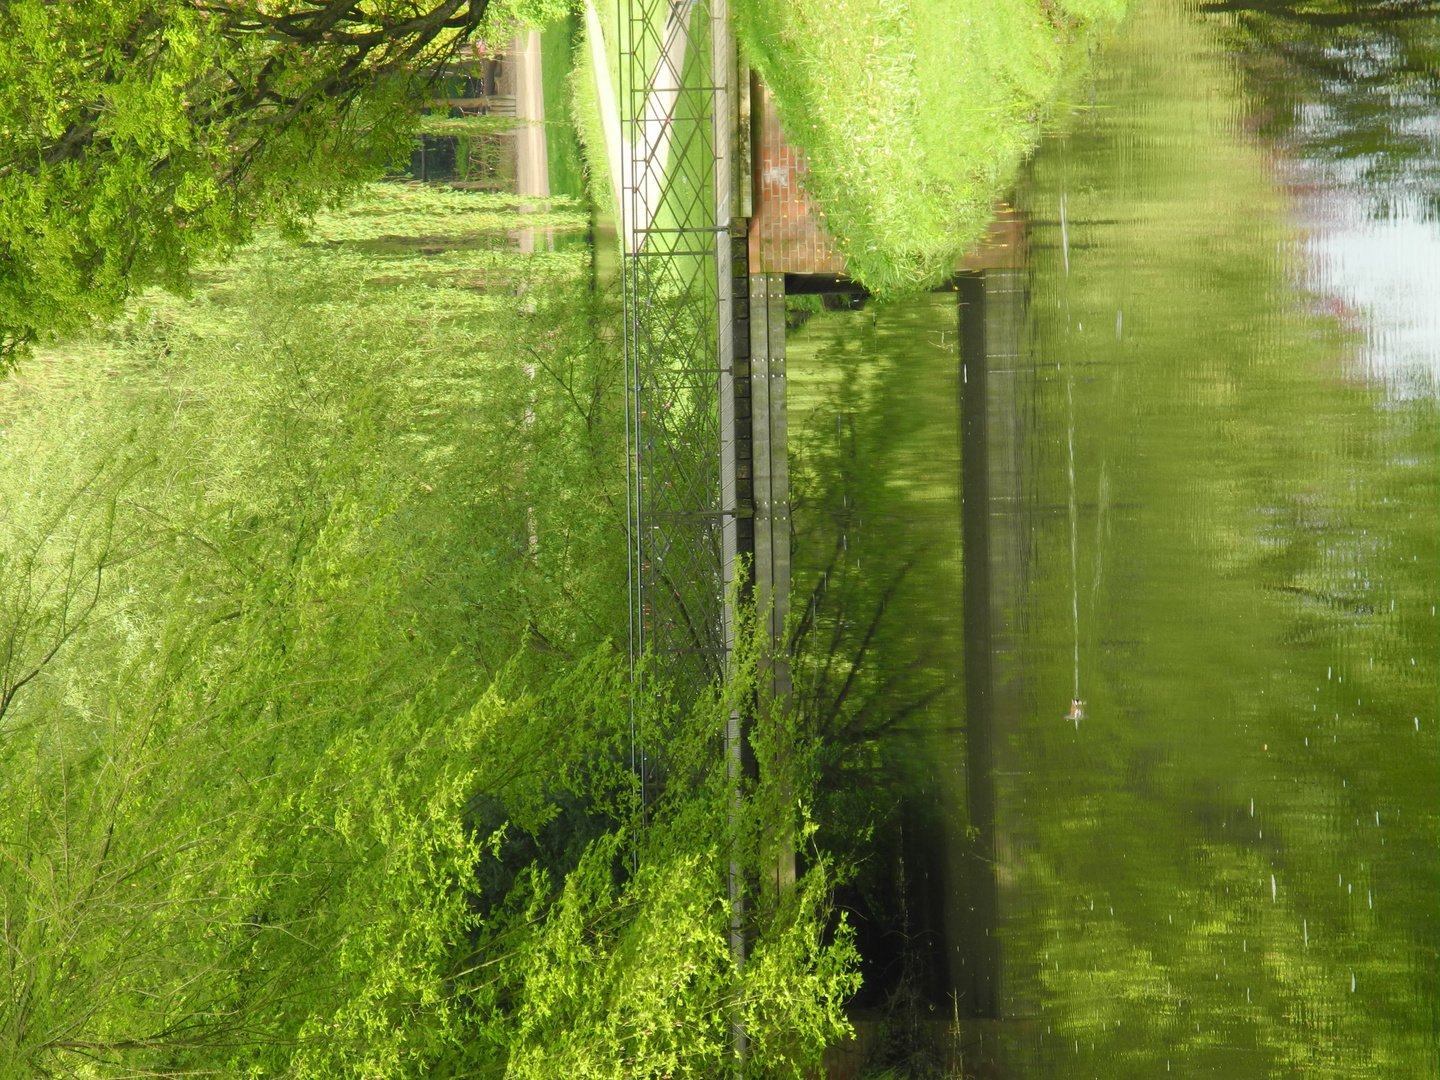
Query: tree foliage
{"type": "Point", "coordinates": [137, 136]}
{"type": "Point", "coordinates": [316, 759]}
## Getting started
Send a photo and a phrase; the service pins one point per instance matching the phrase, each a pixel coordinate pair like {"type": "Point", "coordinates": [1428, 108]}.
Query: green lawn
{"type": "Point", "coordinates": [557, 46]}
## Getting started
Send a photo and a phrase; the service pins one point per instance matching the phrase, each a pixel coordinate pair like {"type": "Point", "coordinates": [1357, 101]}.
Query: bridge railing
{"type": "Point", "coordinates": [675, 74]}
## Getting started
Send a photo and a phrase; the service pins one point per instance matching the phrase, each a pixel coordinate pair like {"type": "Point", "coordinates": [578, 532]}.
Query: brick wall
{"type": "Point", "coordinates": [787, 232]}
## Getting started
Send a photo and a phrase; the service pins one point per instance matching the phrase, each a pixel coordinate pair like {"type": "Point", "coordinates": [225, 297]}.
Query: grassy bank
{"type": "Point", "coordinates": [914, 115]}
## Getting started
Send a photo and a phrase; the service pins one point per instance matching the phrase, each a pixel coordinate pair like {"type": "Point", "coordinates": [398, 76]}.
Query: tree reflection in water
{"type": "Point", "coordinates": [1230, 866]}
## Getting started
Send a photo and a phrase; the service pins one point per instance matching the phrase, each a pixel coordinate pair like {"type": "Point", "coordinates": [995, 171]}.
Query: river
{"type": "Point", "coordinates": [1117, 571]}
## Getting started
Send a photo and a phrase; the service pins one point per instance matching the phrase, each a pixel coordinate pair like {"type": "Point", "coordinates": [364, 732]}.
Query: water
{"type": "Point", "coordinates": [1183, 472]}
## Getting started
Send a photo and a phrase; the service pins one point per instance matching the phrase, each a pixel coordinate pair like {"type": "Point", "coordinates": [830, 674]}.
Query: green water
{"type": "Point", "coordinates": [1202, 501]}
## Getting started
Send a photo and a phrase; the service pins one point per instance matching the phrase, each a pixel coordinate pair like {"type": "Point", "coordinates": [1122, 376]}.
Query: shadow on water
{"type": "Point", "coordinates": [1117, 575]}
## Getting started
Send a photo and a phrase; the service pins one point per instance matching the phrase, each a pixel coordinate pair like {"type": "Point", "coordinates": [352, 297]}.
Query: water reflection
{"type": "Point", "coordinates": [1207, 473]}
{"type": "Point", "coordinates": [1351, 99]}
{"type": "Point", "coordinates": [875, 481]}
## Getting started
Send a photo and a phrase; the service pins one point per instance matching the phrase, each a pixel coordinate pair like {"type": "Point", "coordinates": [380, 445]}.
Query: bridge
{"type": "Point", "coordinates": [716, 228]}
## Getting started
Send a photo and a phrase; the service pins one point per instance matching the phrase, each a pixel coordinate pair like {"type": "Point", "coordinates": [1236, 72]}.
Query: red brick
{"type": "Point", "coordinates": [787, 233]}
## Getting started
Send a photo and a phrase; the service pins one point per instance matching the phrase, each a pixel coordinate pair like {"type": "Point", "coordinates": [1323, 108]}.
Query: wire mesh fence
{"type": "Point", "coordinates": [674, 67]}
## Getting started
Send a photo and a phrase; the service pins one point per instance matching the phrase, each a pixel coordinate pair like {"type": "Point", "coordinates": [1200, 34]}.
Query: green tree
{"type": "Point", "coordinates": [137, 136]}
{"type": "Point", "coordinates": [314, 761]}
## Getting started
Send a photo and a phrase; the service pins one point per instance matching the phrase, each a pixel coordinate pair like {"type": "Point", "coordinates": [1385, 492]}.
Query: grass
{"type": "Point", "coordinates": [557, 46]}
{"type": "Point", "coordinates": [914, 115]}
{"type": "Point", "coordinates": [584, 98]}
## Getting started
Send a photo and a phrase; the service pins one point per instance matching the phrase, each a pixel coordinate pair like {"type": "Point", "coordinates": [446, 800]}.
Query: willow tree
{"type": "Point", "coordinates": [137, 136]}
{"type": "Point", "coordinates": [314, 753]}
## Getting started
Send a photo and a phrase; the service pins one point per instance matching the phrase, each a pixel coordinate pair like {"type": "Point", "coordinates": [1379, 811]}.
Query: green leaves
{"type": "Point", "coordinates": [138, 137]}
{"type": "Point", "coordinates": [332, 779]}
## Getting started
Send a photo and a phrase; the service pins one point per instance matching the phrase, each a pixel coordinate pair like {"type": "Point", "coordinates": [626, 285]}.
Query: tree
{"type": "Point", "coordinates": [137, 136]}
{"type": "Point", "coordinates": [314, 764]}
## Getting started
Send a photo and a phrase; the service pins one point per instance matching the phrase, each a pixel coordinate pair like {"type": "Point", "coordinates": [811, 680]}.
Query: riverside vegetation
{"type": "Point", "coordinates": [315, 736]}
{"type": "Point", "coordinates": [916, 116]}
{"type": "Point", "coordinates": [316, 755]}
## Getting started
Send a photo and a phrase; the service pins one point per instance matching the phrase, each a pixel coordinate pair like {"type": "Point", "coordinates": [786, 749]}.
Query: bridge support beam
{"type": "Point", "coordinates": [770, 450]}
{"type": "Point", "coordinates": [772, 471]}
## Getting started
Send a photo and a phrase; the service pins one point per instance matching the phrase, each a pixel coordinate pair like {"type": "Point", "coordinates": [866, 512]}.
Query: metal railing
{"type": "Point", "coordinates": [676, 65]}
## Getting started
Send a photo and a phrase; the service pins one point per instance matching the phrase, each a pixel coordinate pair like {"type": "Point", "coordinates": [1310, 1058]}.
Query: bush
{"type": "Point", "coordinates": [914, 116]}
